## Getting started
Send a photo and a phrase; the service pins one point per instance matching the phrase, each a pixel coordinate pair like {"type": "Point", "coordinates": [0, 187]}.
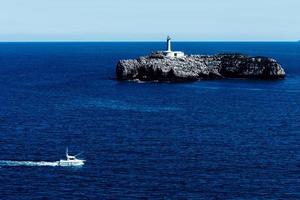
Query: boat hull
{"type": "Point", "coordinates": [65, 163]}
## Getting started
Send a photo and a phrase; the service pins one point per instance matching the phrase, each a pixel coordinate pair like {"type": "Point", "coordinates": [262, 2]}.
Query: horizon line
{"type": "Point", "coordinates": [142, 41]}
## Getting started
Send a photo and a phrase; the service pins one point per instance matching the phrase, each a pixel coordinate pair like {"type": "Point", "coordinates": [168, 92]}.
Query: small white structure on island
{"type": "Point", "coordinates": [172, 54]}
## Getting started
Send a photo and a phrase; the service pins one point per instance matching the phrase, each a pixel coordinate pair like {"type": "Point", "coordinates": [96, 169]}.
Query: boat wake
{"type": "Point", "coordinates": [10, 163]}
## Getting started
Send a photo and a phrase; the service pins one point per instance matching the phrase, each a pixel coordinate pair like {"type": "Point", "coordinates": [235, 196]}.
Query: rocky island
{"type": "Point", "coordinates": [174, 66]}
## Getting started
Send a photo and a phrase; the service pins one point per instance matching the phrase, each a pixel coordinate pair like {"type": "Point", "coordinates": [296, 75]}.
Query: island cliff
{"type": "Point", "coordinates": [159, 67]}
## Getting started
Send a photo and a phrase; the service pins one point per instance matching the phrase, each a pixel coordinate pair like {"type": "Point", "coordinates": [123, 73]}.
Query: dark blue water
{"type": "Point", "coordinates": [224, 139]}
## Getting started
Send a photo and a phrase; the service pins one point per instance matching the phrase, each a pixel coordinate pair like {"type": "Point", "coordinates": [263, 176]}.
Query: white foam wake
{"type": "Point", "coordinates": [28, 163]}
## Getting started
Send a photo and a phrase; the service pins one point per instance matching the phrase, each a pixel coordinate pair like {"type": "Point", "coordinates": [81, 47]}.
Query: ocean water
{"type": "Point", "coordinates": [222, 139]}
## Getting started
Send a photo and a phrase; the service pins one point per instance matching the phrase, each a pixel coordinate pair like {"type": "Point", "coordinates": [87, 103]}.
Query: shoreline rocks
{"type": "Point", "coordinates": [157, 67]}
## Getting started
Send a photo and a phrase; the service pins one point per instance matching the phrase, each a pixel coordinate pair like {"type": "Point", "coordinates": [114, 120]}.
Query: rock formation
{"type": "Point", "coordinates": [158, 67]}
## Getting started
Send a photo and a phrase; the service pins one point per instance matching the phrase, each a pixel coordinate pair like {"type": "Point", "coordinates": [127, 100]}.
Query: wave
{"type": "Point", "coordinates": [122, 105]}
{"type": "Point", "coordinates": [10, 163]}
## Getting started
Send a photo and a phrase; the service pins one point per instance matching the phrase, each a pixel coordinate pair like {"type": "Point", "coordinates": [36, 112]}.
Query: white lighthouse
{"type": "Point", "coordinates": [169, 49]}
{"type": "Point", "coordinates": [172, 54]}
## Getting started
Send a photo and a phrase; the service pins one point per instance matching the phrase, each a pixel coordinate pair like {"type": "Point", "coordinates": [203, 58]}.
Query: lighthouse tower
{"type": "Point", "coordinates": [169, 49]}
{"type": "Point", "coordinates": [172, 54]}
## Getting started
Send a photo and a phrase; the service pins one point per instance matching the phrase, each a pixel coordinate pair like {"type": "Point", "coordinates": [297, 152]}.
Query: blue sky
{"type": "Point", "coordinates": [141, 20]}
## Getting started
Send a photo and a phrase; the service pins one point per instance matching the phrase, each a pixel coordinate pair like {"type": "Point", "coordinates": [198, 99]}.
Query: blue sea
{"type": "Point", "coordinates": [220, 139]}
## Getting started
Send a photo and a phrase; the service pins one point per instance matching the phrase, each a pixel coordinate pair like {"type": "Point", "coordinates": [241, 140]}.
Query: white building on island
{"type": "Point", "coordinates": [172, 54]}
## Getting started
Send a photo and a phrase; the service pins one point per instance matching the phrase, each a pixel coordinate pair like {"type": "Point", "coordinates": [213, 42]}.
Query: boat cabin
{"type": "Point", "coordinates": [71, 157]}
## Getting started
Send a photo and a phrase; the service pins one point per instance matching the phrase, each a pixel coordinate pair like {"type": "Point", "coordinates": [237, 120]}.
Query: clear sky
{"type": "Point", "coordinates": [141, 20]}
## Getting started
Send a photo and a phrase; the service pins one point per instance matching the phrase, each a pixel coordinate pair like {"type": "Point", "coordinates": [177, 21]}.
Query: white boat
{"type": "Point", "coordinates": [70, 161]}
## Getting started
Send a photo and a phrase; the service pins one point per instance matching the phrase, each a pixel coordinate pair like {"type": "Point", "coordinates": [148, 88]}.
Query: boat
{"type": "Point", "coordinates": [71, 161]}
